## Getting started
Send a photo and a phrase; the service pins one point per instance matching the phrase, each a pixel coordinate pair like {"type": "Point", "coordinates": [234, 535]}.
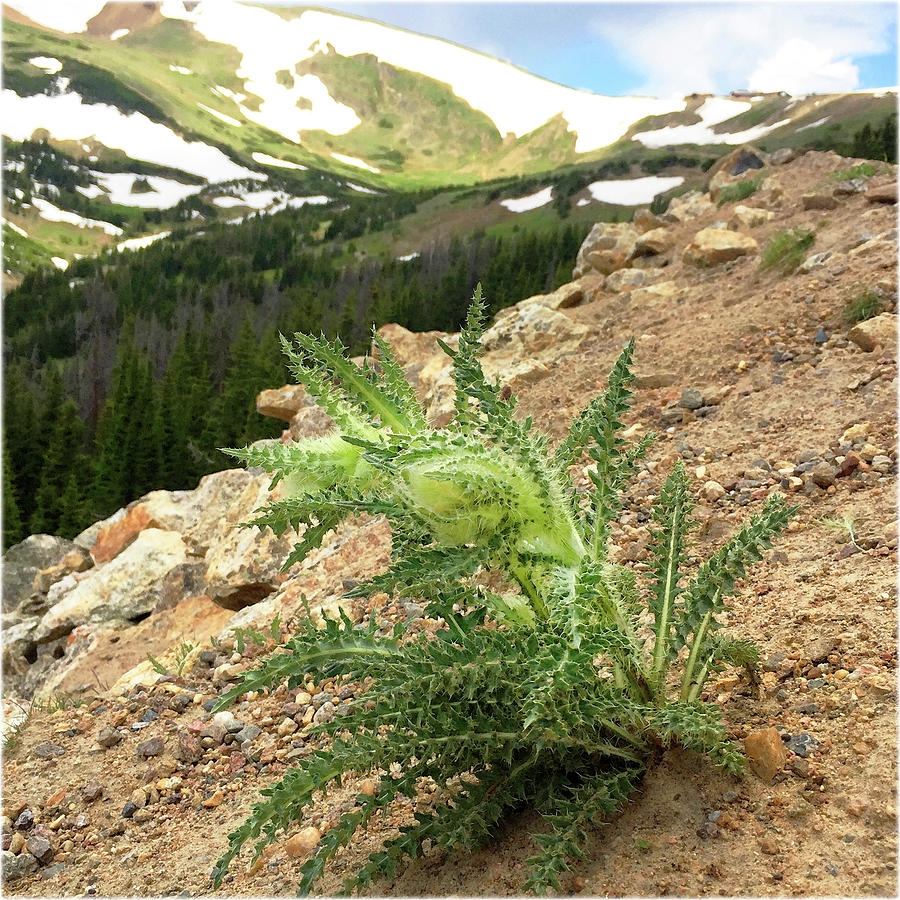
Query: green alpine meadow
{"type": "Point", "coordinates": [555, 688]}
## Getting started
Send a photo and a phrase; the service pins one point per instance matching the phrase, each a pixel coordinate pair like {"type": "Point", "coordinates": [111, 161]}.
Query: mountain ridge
{"type": "Point", "coordinates": [360, 100]}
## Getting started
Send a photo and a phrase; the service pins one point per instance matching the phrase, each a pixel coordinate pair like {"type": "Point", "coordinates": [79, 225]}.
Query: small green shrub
{"type": "Point", "coordinates": [862, 305]}
{"type": "Point", "coordinates": [863, 170]}
{"type": "Point", "coordinates": [739, 191]}
{"type": "Point", "coordinates": [544, 692]}
{"type": "Point", "coordinates": [786, 249]}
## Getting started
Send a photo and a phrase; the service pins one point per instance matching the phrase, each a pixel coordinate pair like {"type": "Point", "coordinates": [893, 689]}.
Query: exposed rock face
{"type": "Point", "coordinates": [282, 403]}
{"type": "Point", "coordinates": [712, 246]}
{"type": "Point", "coordinates": [607, 247]}
{"type": "Point", "coordinates": [243, 565]}
{"type": "Point", "coordinates": [645, 221]}
{"type": "Point", "coordinates": [413, 351]}
{"type": "Point", "coordinates": [114, 538]}
{"type": "Point", "coordinates": [23, 562]}
{"type": "Point", "coordinates": [126, 588]}
{"type": "Point", "coordinates": [880, 331]}
{"type": "Point", "coordinates": [743, 159]}
{"type": "Point", "coordinates": [657, 240]}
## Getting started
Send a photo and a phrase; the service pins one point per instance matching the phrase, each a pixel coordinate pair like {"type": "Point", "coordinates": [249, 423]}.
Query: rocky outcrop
{"type": "Point", "coordinates": [645, 221]}
{"type": "Point", "coordinates": [125, 589]}
{"type": "Point", "coordinates": [282, 403]}
{"type": "Point", "coordinates": [608, 247]}
{"type": "Point", "coordinates": [243, 565]}
{"type": "Point", "coordinates": [25, 561]}
{"type": "Point", "coordinates": [656, 241]}
{"type": "Point", "coordinates": [712, 246]}
{"type": "Point", "coordinates": [743, 159]}
{"type": "Point", "coordinates": [688, 206]}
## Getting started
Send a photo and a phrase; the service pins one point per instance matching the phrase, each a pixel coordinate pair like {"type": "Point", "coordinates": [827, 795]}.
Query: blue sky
{"type": "Point", "coordinates": [669, 48]}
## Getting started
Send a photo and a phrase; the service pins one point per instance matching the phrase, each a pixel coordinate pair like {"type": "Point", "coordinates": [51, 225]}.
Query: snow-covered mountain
{"type": "Point", "coordinates": [251, 108]}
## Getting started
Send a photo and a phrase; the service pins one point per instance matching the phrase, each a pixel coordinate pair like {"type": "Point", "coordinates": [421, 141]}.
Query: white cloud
{"type": "Point", "coordinates": [800, 67]}
{"type": "Point", "coordinates": [797, 47]}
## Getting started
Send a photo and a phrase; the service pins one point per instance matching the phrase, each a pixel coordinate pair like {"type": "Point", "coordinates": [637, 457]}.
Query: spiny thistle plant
{"type": "Point", "coordinates": [544, 694]}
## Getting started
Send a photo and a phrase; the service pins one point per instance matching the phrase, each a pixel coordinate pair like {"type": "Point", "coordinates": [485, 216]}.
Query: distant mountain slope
{"type": "Point", "coordinates": [244, 108]}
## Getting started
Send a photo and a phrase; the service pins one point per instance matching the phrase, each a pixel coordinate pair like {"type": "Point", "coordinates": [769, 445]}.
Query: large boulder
{"type": "Point", "coordinates": [25, 560]}
{"type": "Point", "coordinates": [607, 248]}
{"type": "Point", "coordinates": [243, 565]}
{"type": "Point", "coordinates": [879, 331]}
{"type": "Point", "coordinates": [688, 206]}
{"type": "Point", "coordinates": [655, 241]}
{"type": "Point", "coordinates": [711, 246]}
{"type": "Point", "coordinates": [125, 589]}
{"type": "Point", "coordinates": [282, 403]}
{"type": "Point", "coordinates": [740, 160]}
{"type": "Point", "coordinates": [293, 404]}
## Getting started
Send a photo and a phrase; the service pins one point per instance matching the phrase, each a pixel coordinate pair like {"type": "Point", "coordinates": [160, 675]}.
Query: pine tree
{"type": "Point", "coordinates": [65, 457]}
{"type": "Point", "coordinates": [889, 139]}
{"type": "Point", "coordinates": [13, 529]}
{"type": "Point", "coordinates": [74, 512]}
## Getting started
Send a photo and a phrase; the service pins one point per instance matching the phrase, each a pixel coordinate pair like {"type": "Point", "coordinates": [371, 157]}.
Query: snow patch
{"type": "Point", "coordinates": [353, 161]}
{"type": "Point", "coordinates": [228, 202]}
{"type": "Point", "coordinates": [181, 70]}
{"type": "Point", "coordinates": [532, 201]}
{"type": "Point", "coordinates": [632, 191]}
{"type": "Point", "coordinates": [408, 257]}
{"type": "Point", "coordinates": [119, 33]}
{"type": "Point", "coordinates": [228, 120]}
{"type": "Point", "coordinates": [814, 124]}
{"type": "Point", "coordinates": [50, 65]}
{"type": "Point", "coordinates": [54, 214]}
{"type": "Point", "coordinates": [141, 242]}
{"type": "Point", "coordinates": [516, 101]}
{"type": "Point", "coordinates": [59, 262]}
{"type": "Point", "coordinates": [265, 160]}
{"type": "Point", "coordinates": [583, 202]}
{"type": "Point", "coordinates": [68, 117]}
{"type": "Point", "coordinates": [92, 191]}
{"type": "Point", "coordinates": [297, 202]}
{"type": "Point", "coordinates": [14, 165]}
{"type": "Point", "coordinates": [714, 111]}
{"type": "Point", "coordinates": [165, 193]}
{"type": "Point", "coordinates": [361, 189]}
{"type": "Point", "coordinates": [70, 16]}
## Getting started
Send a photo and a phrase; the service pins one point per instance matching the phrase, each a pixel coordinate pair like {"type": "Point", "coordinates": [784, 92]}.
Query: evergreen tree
{"type": "Point", "coordinates": [75, 514]}
{"type": "Point", "coordinates": [64, 458]}
{"type": "Point", "coordinates": [13, 530]}
{"type": "Point", "coordinates": [889, 139]}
